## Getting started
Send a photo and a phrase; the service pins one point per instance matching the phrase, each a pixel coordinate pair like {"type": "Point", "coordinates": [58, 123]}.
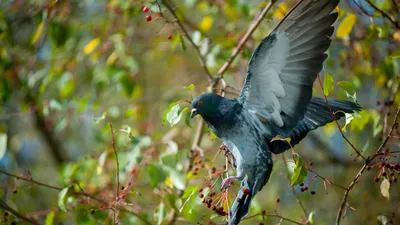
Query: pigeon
{"type": "Point", "coordinates": [276, 99]}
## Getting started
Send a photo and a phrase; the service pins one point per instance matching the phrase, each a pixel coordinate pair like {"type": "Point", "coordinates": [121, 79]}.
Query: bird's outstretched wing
{"type": "Point", "coordinates": [283, 68]}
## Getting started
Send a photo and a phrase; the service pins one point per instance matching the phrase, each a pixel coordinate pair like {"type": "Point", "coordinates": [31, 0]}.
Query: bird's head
{"type": "Point", "coordinates": [206, 105]}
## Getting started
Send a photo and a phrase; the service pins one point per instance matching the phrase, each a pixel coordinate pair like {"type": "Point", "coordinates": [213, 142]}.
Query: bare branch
{"type": "Point", "coordinates": [274, 215]}
{"type": "Point", "coordinates": [384, 14]}
{"type": "Point", "coordinates": [116, 158]}
{"type": "Point", "coordinates": [186, 33]}
{"type": "Point", "coordinates": [248, 34]}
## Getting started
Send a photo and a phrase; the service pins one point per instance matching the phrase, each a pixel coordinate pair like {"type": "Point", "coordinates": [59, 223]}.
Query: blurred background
{"type": "Point", "coordinates": [73, 71]}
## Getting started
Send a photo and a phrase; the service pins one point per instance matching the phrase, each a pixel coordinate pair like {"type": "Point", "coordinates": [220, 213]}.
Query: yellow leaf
{"type": "Point", "coordinates": [91, 46]}
{"type": "Point", "coordinates": [111, 59]}
{"type": "Point", "coordinates": [396, 36]}
{"type": "Point", "coordinates": [280, 11]}
{"type": "Point", "coordinates": [346, 26]}
{"type": "Point", "coordinates": [168, 182]}
{"type": "Point", "coordinates": [38, 33]}
{"type": "Point", "coordinates": [206, 23]}
{"type": "Point", "coordinates": [385, 186]}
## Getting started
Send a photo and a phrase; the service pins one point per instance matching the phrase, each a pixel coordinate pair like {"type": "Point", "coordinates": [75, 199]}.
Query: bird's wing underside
{"type": "Point", "coordinates": [283, 68]}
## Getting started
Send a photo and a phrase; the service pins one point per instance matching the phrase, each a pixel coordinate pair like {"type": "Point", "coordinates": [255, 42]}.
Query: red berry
{"type": "Point", "coordinates": [213, 208]}
{"type": "Point", "coordinates": [148, 18]}
{"type": "Point", "coordinates": [313, 192]}
{"type": "Point", "coordinates": [238, 199]}
{"type": "Point", "coordinates": [201, 195]}
{"type": "Point", "coordinates": [278, 200]}
{"type": "Point", "coordinates": [376, 179]}
{"type": "Point", "coordinates": [306, 188]}
{"type": "Point", "coordinates": [261, 224]}
{"type": "Point", "coordinates": [201, 190]}
{"type": "Point", "coordinates": [384, 174]}
{"type": "Point", "coordinates": [145, 9]}
{"type": "Point", "coordinates": [92, 211]}
{"type": "Point", "coordinates": [394, 179]}
{"type": "Point", "coordinates": [169, 37]}
{"type": "Point", "coordinates": [302, 189]}
{"type": "Point", "coordinates": [302, 184]}
{"type": "Point", "coordinates": [246, 191]}
{"type": "Point", "coordinates": [263, 212]}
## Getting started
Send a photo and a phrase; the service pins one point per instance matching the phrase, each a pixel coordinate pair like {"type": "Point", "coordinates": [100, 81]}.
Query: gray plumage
{"type": "Point", "coordinates": [276, 98]}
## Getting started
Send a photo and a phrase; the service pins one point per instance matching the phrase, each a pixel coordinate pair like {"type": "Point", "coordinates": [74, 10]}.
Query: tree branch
{"type": "Point", "coordinates": [384, 14]}
{"type": "Point", "coordinates": [337, 123]}
{"type": "Point", "coordinates": [101, 201]}
{"type": "Point", "coordinates": [355, 180]}
{"type": "Point", "coordinates": [248, 34]}
{"type": "Point", "coordinates": [5, 206]}
{"type": "Point", "coordinates": [186, 33]}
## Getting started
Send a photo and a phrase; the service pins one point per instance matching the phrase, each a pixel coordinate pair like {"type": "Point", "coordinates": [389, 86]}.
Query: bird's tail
{"type": "Point", "coordinates": [318, 114]}
{"type": "Point", "coordinates": [241, 205]}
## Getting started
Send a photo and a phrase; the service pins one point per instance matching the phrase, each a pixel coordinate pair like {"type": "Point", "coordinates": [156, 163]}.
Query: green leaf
{"type": "Point", "coordinates": [3, 145]}
{"type": "Point", "coordinates": [50, 218]}
{"type": "Point", "coordinates": [128, 84]}
{"type": "Point", "coordinates": [349, 118]}
{"type": "Point", "coordinates": [382, 219]}
{"type": "Point", "coordinates": [160, 213]}
{"type": "Point", "coordinates": [188, 194]}
{"type": "Point", "coordinates": [62, 197]}
{"type": "Point", "coordinates": [328, 84]}
{"type": "Point", "coordinates": [182, 42]}
{"type": "Point", "coordinates": [97, 119]}
{"type": "Point", "coordinates": [173, 114]}
{"type": "Point", "coordinates": [156, 175]}
{"type": "Point", "coordinates": [300, 173]}
{"type": "Point", "coordinates": [38, 33]}
{"type": "Point", "coordinates": [166, 112]}
{"type": "Point", "coordinates": [396, 54]}
{"type": "Point", "coordinates": [346, 85]}
{"type": "Point", "coordinates": [346, 25]}
{"type": "Point", "coordinates": [58, 33]}
{"type": "Point", "coordinates": [385, 186]}
{"type": "Point", "coordinates": [311, 217]}
{"type": "Point", "coordinates": [190, 87]}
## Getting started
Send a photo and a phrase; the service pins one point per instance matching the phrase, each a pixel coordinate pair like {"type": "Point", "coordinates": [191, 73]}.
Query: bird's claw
{"type": "Point", "coordinates": [227, 182]}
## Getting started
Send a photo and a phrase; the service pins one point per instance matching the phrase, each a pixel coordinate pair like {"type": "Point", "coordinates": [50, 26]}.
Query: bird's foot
{"type": "Point", "coordinates": [228, 181]}
{"type": "Point", "coordinates": [223, 147]}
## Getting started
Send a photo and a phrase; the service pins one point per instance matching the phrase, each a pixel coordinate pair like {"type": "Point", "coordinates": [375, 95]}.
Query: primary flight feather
{"type": "Point", "coordinates": [276, 98]}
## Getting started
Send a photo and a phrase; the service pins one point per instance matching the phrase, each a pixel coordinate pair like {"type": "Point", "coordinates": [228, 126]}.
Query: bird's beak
{"type": "Point", "coordinates": [193, 113]}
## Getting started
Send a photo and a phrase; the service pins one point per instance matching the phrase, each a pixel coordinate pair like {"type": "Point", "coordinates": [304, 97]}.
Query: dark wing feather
{"type": "Point", "coordinates": [283, 68]}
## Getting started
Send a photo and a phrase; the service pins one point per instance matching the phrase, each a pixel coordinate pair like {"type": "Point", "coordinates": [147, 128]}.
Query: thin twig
{"type": "Point", "coordinates": [273, 215]}
{"type": "Point", "coordinates": [384, 14]}
{"type": "Point", "coordinates": [325, 179]}
{"type": "Point", "coordinates": [116, 158]}
{"type": "Point", "coordinates": [248, 34]}
{"type": "Point", "coordinates": [293, 191]}
{"type": "Point", "coordinates": [30, 179]}
{"type": "Point", "coordinates": [337, 123]}
{"type": "Point", "coordinates": [5, 206]}
{"type": "Point", "coordinates": [186, 34]}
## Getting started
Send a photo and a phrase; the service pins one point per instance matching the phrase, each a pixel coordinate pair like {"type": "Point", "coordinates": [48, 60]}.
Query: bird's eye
{"type": "Point", "coordinates": [200, 102]}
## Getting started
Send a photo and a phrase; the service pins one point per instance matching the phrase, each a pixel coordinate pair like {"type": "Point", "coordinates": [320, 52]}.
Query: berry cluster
{"type": "Point", "coordinates": [198, 162]}
{"type": "Point", "coordinates": [5, 220]}
{"type": "Point", "coordinates": [386, 170]}
{"type": "Point", "coordinates": [150, 18]}
{"type": "Point", "coordinates": [209, 200]}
